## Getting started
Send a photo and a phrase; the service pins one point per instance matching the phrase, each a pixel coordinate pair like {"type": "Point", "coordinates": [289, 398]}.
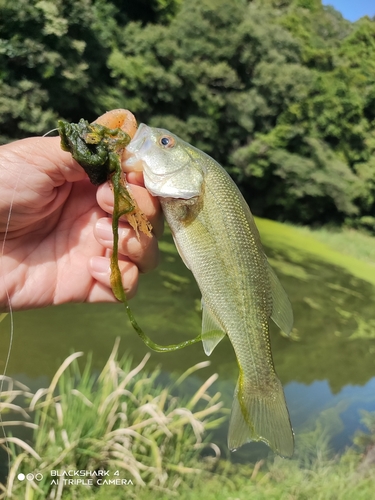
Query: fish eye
{"type": "Point", "coordinates": [167, 141]}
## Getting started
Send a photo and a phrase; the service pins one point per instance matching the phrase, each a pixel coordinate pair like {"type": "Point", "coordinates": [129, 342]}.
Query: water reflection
{"type": "Point", "coordinates": [318, 397]}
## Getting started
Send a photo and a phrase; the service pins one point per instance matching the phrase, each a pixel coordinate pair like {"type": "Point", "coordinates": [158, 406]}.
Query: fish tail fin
{"type": "Point", "coordinates": [261, 416]}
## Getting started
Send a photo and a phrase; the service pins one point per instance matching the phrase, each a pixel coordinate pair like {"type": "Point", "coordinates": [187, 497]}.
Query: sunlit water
{"type": "Point", "coordinates": [327, 369]}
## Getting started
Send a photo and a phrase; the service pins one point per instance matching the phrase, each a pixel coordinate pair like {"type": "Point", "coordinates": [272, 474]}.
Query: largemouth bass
{"type": "Point", "coordinates": [217, 238]}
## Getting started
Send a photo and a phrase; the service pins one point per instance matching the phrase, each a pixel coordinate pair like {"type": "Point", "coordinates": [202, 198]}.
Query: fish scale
{"type": "Point", "coordinates": [217, 239]}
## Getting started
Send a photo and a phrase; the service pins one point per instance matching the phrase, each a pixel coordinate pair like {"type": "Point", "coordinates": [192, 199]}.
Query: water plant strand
{"type": "Point", "coordinates": [97, 149]}
{"type": "Point", "coordinates": [116, 281]}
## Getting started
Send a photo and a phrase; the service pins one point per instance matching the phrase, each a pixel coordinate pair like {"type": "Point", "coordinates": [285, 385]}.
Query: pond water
{"type": "Point", "coordinates": [327, 367]}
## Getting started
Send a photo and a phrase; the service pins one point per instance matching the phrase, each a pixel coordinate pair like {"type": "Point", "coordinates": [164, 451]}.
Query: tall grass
{"type": "Point", "coordinates": [125, 420]}
{"type": "Point", "coordinates": [122, 420]}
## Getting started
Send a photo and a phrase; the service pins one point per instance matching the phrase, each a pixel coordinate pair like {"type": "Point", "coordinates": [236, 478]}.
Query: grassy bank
{"type": "Point", "coordinates": [344, 240]}
{"type": "Point", "coordinates": [349, 249]}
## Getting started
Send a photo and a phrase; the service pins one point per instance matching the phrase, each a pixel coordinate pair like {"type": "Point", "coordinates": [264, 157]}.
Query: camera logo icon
{"type": "Point", "coordinates": [30, 477]}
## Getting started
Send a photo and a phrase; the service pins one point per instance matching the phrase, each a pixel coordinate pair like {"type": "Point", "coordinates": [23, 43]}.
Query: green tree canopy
{"type": "Point", "coordinates": [281, 92]}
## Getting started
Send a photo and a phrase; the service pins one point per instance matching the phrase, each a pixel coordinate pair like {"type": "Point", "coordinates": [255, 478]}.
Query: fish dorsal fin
{"type": "Point", "coordinates": [282, 313]}
{"type": "Point", "coordinates": [211, 331]}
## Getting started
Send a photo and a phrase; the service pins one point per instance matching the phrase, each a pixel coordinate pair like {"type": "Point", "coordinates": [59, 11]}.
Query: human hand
{"type": "Point", "coordinates": [56, 231]}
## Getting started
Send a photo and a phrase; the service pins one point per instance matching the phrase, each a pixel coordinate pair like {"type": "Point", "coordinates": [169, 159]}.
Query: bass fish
{"type": "Point", "coordinates": [216, 236]}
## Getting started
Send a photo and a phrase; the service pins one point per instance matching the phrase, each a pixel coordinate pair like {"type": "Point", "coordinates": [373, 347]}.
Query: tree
{"type": "Point", "coordinates": [263, 87]}
{"type": "Point", "coordinates": [51, 53]}
{"type": "Point", "coordinates": [281, 92]}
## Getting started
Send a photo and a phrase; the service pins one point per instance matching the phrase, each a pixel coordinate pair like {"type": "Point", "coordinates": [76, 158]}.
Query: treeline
{"type": "Point", "coordinates": [280, 92]}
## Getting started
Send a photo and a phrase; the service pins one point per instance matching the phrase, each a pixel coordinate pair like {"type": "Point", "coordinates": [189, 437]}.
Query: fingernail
{"type": "Point", "coordinates": [100, 265]}
{"type": "Point", "coordinates": [104, 231]}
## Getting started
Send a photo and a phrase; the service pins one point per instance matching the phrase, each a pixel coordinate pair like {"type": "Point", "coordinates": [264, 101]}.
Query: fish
{"type": "Point", "coordinates": [216, 237]}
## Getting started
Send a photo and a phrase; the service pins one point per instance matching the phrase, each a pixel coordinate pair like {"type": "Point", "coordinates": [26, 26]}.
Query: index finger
{"type": "Point", "coordinates": [149, 205]}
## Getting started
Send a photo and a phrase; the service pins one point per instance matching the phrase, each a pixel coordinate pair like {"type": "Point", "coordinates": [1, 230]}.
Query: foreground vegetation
{"type": "Point", "coordinates": [280, 92]}
{"type": "Point", "coordinates": [126, 421]}
{"type": "Point", "coordinates": [123, 421]}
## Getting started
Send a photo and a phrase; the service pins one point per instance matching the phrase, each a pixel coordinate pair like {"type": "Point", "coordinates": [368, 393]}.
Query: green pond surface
{"type": "Point", "coordinates": [327, 367]}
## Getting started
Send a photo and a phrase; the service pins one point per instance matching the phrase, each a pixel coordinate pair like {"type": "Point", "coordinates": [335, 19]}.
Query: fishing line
{"type": "Point", "coordinates": [11, 332]}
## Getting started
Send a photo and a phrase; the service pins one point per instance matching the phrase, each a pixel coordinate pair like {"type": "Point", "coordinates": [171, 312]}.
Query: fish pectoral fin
{"type": "Point", "coordinates": [211, 331]}
{"type": "Point", "coordinates": [258, 416]}
{"type": "Point", "coordinates": [282, 313]}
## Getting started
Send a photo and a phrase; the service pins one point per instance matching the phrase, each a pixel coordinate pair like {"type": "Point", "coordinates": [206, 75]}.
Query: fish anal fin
{"type": "Point", "coordinates": [211, 331]}
{"type": "Point", "coordinates": [261, 417]}
{"type": "Point", "coordinates": [211, 339]}
{"type": "Point", "coordinates": [282, 313]}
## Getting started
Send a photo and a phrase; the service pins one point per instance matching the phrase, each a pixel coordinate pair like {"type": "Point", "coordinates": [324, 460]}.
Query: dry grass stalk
{"type": "Point", "coordinates": [119, 420]}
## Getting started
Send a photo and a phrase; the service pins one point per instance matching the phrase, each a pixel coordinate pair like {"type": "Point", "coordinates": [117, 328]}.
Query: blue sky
{"type": "Point", "coordinates": [353, 9]}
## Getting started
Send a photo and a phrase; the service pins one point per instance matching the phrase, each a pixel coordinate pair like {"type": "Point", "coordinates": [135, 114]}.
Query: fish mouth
{"type": "Point", "coordinates": [139, 138]}
{"type": "Point", "coordinates": [131, 160]}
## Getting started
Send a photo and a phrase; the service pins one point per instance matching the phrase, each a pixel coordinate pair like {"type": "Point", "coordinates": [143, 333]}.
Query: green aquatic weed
{"type": "Point", "coordinates": [98, 150]}
{"type": "Point", "coordinates": [95, 147]}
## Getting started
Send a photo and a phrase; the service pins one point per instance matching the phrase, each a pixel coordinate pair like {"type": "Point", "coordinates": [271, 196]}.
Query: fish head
{"type": "Point", "coordinates": [172, 168]}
